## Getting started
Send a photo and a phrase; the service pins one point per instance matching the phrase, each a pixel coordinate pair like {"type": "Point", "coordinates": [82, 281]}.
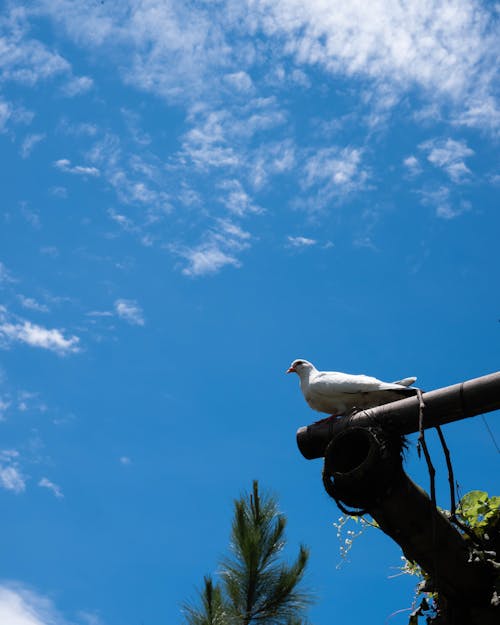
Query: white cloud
{"type": "Point", "coordinates": [218, 138]}
{"type": "Point", "coordinates": [440, 199]}
{"type": "Point", "coordinates": [272, 159]}
{"type": "Point", "coordinates": [78, 129]}
{"type": "Point", "coordinates": [27, 400]}
{"type": "Point", "coordinates": [216, 252]}
{"type": "Point", "coordinates": [56, 490]}
{"type": "Point", "coordinates": [25, 60]}
{"type": "Point", "coordinates": [5, 113]}
{"type": "Point", "coordinates": [65, 165]}
{"type": "Point", "coordinates": [240, 81]}
{"type": "Point", "coordinates": [24, 331]}
{"type": "Point", "coordinates": [77, 86]}
{"type": "Point", "coordinates": [166, 47]}
{"type": "Point", "coordinates": [5, 275]}
{"type": "Point", "coordinates": [21, 606]}
{"type": "Point", "coordinates": [137, 191]}
{"type": "Point", "coordinates": [130, 311]}
{"type": "Point", "coordinates": [90, 618]}
{"type": "Point", "coordinates": [49, 250]}
{"type": "Point", "coordinates": [122, 220]}
{"type": "Point", "coordinates": [482, 112]}
{"type": "Point", "coordinates": [30, 142]}
{"type": "Point", "coordinates": [445, 48]}
{"type": "Point", "coordinates": [136, 179]}
{"type": "Point", "coordinates": [338, 167]}
{"type": "Point", "coordinates": [133, 121]}
{"type": "Point", "coordinates": [100, 313]}
{"type": "Point", "coordinates": [11, 477]}
{"type": "Point", "coordinates": [413, 166]}
{"type": "Point", "coordinates": [4, 406]}
{"type": "Point", "coordinates": [31, 304]}
{"type": "Point", "coordinates": [31, 216]}
{"type": "Point", "coordinates": [300, 241]}
{"type": "Point", "coordinates": [237, 200]}
{"type": "Point", "coordinates": [330, 174]}
{"type": "Point", "coordinates": [60, 192]}
{"type": "Point", "coordinates": [207, 259]}
{"type": "Point", "coordinates": [206, 143]}
{"type": "Point", "coordinates": [449, 155]}
{"type": "Point", "coordinates": [179, 51]}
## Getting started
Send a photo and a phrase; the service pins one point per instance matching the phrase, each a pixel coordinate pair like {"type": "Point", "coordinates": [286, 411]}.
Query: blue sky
{"type": "Point", "coordinates": [195, 194]}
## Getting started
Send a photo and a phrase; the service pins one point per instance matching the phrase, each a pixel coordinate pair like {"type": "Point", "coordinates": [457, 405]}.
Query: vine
{"type": "Point", "coordinates": [477, 518]}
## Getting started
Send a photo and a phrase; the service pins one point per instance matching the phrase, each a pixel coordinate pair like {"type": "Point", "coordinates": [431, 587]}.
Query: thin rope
{"type": "Point", "coordinates": [422, 445]}
{"type": "Point", "coordinates": [449, 465]}
{"type": "Point", "coordinates": [490, 433]}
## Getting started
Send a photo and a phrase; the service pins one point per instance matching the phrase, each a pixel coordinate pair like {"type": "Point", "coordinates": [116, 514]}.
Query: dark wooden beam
{"type": "Point", "coordinates": [442, 406]}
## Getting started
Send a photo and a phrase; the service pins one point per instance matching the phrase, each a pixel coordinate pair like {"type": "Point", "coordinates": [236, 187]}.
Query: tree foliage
{"type": "Point", "coordinates": [256, 587]}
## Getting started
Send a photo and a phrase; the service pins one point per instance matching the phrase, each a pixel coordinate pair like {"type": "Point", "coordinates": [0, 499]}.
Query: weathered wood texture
{"type": "Point", "coordinates": [443, 405]}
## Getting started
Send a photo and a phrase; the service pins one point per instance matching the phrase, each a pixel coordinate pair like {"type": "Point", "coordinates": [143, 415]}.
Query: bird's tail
{"type": "Point", "coordinates": [406, 382]}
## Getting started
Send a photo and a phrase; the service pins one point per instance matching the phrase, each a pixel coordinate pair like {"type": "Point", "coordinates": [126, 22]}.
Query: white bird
{"type": "Point", "coordinates": [339, 393]}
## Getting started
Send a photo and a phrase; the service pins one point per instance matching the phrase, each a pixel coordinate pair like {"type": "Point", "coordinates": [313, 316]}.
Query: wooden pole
{"type": "Point", "coordinates": [363, 468]}
{"type": "Point", "coordinates": [443, 405]}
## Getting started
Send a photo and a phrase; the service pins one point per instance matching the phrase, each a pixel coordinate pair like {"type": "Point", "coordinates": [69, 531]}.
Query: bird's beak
{"type": "Point", "coordinates": [290, 370]}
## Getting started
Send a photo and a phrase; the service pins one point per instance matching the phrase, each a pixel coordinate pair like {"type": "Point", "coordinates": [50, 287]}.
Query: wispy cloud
{"type": "Point", "coordinates": [300, 242]}
{"type": "Point", "coordinates": [30, 142]}
{"type": "Point", "coordinates": [218, 249]}
{"type": "Point", "coordinates": [205, 259]}
{"type": "Point", "coordinates": [449, 155]}
{"type": "Point", "coordinates": [14, 330]}
{"type": "Point", "coordinates": [65, 165]}
{"type": "Point", "coordinates": [20, 605]}
{"type": "Point", "coordinates": [446, 51]}
{"type": "Point", "coordinates": [271, 159]}
{"type": "Point", "coordinates": [236, 199]}
{"type": "Point", "coordinates": [206, 143]}
{"type": "Point", "coordinates": [32, 304]}
{"type": "Point", "coordinates": [54, 488]}
{"type": "Point", "coordinates": [5, 113]}
{"type": "Point", "coordinates": [335, 167]}
{"type": "Point", "coordinates": [480, 112]}
{"type": "Point", "coordinates": [166, 47]}
{"type": "Point", "coordinates": [77, 85]}
{"type": "Point", "coordinates": [30, 215]}
{"type": "Point", "coordinates": [78, 129]}
{"type": "Point", "coordinates": [4, 406]}
{"type": "Point", "coordinates": [58, 191]}
{"type": "Point", "coordinates": [11, 477]}
{"type": "Point", "coordinates": [130, 311]}
{"type": "Point", "coordinates": [445, 206]}
{"type": "Point", "coordinates": [49, 250]}
{"type": "Point", "coordinates": [240, 81]}
{"type": "Point", "coordinates": [138, 179]}
{"type": "Point", "coordinates": [24, 59]}
{"type": "Point", "coordinates": [331, 174]}
{"type": "Point", "coordinates": [5, 274]}
{"type": "Point", "coordinates": [122, 220]}
{"type": "Point", "coordinates": [412, 165]}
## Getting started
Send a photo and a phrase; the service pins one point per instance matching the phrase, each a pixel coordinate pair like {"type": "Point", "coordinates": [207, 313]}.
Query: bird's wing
{"type": "Point", "coordinates": [328, 382]}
